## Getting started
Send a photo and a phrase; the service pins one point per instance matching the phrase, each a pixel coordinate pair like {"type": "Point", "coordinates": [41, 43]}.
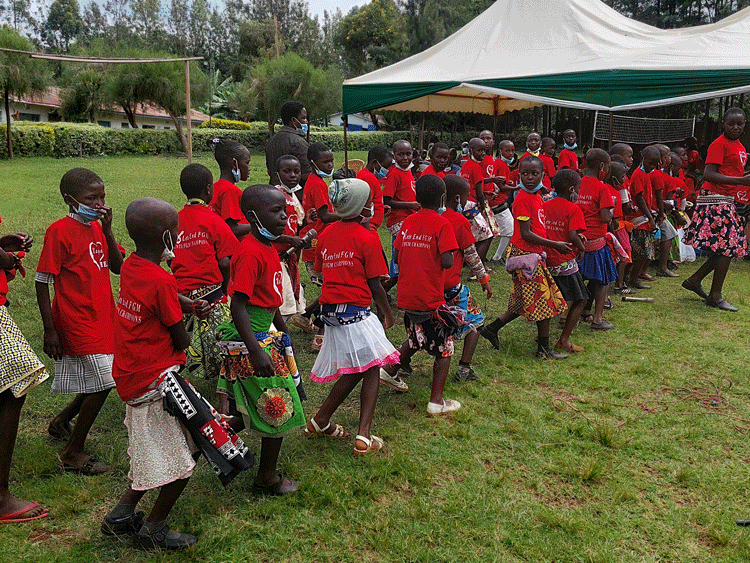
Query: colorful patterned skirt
{"type": "Point", "coordinates": [269, 405]}
{"type": "Point", "coordinates": [716, 227]}
{"type": "Point", "coordinates": [204, 359]}
{"type": "Point", "coordinates": [20, 369]}
{"type": "Point", "coordinates": [473, 316]}
{"type": "Point", "coordinates": [536, 299]}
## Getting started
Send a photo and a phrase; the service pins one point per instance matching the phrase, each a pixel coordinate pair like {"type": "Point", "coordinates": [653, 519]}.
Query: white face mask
{"type": "Point", "coordinates": [168, 253]}
{"type": "Point", "coordinates": [368, 212]}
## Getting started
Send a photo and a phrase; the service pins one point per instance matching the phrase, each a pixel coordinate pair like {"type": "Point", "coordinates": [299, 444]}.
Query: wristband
{"type": "Point", "coordinates": [484, 280]}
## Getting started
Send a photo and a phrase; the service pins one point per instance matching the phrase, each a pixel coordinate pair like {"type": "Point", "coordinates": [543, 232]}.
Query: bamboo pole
{"type": "Point", "coordinates": [189, 116]}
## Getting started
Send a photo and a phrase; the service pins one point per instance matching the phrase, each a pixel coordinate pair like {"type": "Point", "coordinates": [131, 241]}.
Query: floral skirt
{"type": "Point", "coordinates": [716, 228]}
{"type": "Point", "coordinates": [269, 405]}
{"type": "Point", "coordinates": [536, 299]}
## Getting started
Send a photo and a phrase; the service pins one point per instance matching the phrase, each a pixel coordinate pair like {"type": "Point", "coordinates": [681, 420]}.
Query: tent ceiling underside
{"type": "Point", "coordinates": [606, 89]}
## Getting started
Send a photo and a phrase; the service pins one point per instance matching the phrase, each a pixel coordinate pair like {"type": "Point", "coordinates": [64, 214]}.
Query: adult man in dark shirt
{"type": "Point", "coordinates": [289, 139]}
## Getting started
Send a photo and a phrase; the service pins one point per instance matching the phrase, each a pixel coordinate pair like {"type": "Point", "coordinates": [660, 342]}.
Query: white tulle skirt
{"type": "Point", "coordinates": [353, 348]}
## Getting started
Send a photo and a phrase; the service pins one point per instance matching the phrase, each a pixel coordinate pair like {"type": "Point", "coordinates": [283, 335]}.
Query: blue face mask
{"type": "Point", "coordinates": [263, 231]}
{"type": "Point", "coordinates": [302, 128]}
{"type": "Point", "coordinates": [572, 147]}
{"type": "Point", "coordinates": [574, 197]}
{"type": "Point", "coordinates": [506, 160]}
{"type": "Point", "coordinates": [86, 212]}
{"type": "Point", "coordinates": [236, 171]}
{"type": "Point", "coordinates": [322, 174]}
{"type": "Point", "coordinates": [459, 208]}
{"type": "Point", "coordinates": [382, 173]}
{"type": "Point", "coordinates": [531, 190]}
{"type": "Point", "coordinates": [441, 209]}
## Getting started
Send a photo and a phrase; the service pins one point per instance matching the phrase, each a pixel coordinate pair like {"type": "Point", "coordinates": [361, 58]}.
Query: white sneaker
{"type": "Point", "coordinates": [449, 406]}
{"type": "Point", "coordinates": [393, 381]}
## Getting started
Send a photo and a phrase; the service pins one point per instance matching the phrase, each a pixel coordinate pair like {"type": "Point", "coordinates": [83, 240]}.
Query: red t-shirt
{"type": "Point", "coordinates": [401, 186]}
{"type": "Point", "coordinates": [549, 169]}
{"type": "Point", "coordinates": [462, 229]}
{"type": "Point", "coordinates": [83, 308]}
{"type": "Point", "coordinates": [146, 307]}
{"type": "Point", "coordinates": [593, 196]}
{"type": "Point", "coordinates": [560, 217]}
{"type": "Point", "coordinates": [731, 157]}
{"type": "Point", "coordinates": [348, 255]}
{"type": "Point", "coordinates": [531, 206]}
{"type": "Point", "coordinates": [377, 196]}
{"type": "Point", "coordinates": [292, 221]}
{"type": "Point", "coordinates": [226, 202]}
{"type": "Point", "coordinates": [431, 170]}
{"type": "Point", "coordinates": [640, 183]}
{"type": "Point", "coordinates": [424, 236]}
{"type": "Point", "coordinates": [256, 271]}
{"type": "Point", "coordinates": [617, 202]}
{"type": "Point", "coordinates": [658, 183]}
{"type": "Point", "coordinates": [474, 173]}
{"type": "Point", "coordinates": [315, 196]}
{"type": "Point", "coordinates": [501, 169]}
{"type": "Point", "coordinates": [567, 159]}
{"type": "Point", "coordinates": [203, 240]}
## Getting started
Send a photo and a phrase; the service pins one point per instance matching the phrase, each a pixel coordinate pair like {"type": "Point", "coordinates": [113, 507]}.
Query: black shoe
{"type": "Point", "coordinates": [697, 289]}
{"type": "Point", "coordinates": [550, 354]}
{"type": "Point", "coordinates": [123, 526]}
{"type": "Point", "coordinates": [723, 305]}
{"type": "Point", "coordinates": [162, 539]}
{"type": "Point", "coordinates": [277, 489]}
{"type": "Point", "coordinates": [491, 336]}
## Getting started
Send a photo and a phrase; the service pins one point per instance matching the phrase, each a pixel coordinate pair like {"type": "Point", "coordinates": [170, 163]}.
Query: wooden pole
{"type": "Point", "coordinates": [346, 143]}
{"type": "Point", "coordinates": [189, 117]}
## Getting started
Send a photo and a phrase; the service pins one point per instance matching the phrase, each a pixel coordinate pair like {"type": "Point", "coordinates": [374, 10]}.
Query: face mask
{"type": "Point", "coordinates": [302, 128]}
{"type": "Point", "coordinates": [533, 153]}
{"type": "Point", "coordinates": [531, 190]}
{"type": "Point", "coordinates": [506, 160]}
{"type": "Point", "coordinates": [168, 253]}
{"type": "Point", "coordinates": [574, 197]}
{"type": "Point", "coordinates": [441, 210]}
{"type": "Point", "coordinates": [411, 165]}
{"type": "Point", "coordinates": [263, 231]}
{"type": "Point", "coordinates": [382, 173]}
{"type": "Point", "coordinates": [87, 213]}
{"type": "Point", "coordinates": [459, 208]}
{"type": "Point", "coordinates": [323, 174]}
{"type": "Point", "coordinates": [236, 171]}
{"type": "Point", "coordinates": [572, 147]}
{"type": "Point", "coordinates": [552, 194]}
{"type": "Point", "coordinates": [370, 212]}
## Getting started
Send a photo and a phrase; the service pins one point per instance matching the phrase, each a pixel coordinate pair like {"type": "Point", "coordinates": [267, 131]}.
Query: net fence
{"type": "Point", "coordinates": [642, 130]}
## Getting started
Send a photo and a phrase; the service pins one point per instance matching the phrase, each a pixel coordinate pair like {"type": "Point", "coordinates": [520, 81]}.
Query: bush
{"type": "Point", "coordinates": [63, 140]}
{"type": "Point", "coordinates": [218, 123]}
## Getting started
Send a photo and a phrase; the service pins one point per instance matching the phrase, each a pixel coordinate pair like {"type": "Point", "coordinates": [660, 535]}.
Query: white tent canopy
{"type": "Point", "coordinates": [572, 53]}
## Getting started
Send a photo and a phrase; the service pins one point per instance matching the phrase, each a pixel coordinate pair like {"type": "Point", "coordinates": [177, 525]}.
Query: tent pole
{"type": "Point", "coordinates": [611, 122]}
{"type": "Point", "coordinates": [346, 142]}
{"type": "Point", "coordinates": [189, 117]}
{"type": "Point", "coordinates": [494, 117]}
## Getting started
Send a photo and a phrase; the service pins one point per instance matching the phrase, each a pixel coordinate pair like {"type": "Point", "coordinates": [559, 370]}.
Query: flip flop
{"type": "Point", "coordinates": [89, 467]}
{"type": "Point", "coordinates": [17, 516]}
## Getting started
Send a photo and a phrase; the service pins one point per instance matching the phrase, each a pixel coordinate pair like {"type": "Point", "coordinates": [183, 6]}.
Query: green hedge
{"type": "Point", "coordinates": [63, 140]}
{"type": "Point", "coordinates": [218, 123]}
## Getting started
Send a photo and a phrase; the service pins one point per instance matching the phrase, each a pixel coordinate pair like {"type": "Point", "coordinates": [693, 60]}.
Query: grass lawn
{"type": "Point", "coordinates": [635, 450]}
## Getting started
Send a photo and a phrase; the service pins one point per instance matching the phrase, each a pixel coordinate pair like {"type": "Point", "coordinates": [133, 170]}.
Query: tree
{"type": "Point", "coordinates": [20, 75]}
{"type": "Point", "coordinates": [86, 97]}
{"type": "Point", "coordinates": [372, 37]}
{"type": "Point", "coordinates": [63, 24]}
{"type": "Point", "coordinates": [289, 77]}
{"type": "Point", "coordinates": [147, 22]}
{"type": "Point", "coordinates": [158, 84]}
{"type": "Point", "coordinates": [17, 13]}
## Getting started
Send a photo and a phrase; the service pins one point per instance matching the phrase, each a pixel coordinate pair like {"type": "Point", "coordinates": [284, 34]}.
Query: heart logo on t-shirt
{"type": "Point", "coordinates": [541, 216]}
{"type": "Point", "coordinates": [96, 251]}
{"type": "Point", "coordinates": [743, 157]}
{"type": "Point", "coordinates": [277, 284]}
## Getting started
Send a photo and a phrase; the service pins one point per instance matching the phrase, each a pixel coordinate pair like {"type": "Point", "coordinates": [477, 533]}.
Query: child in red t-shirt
{"type": "Point", "coordinates": [78, 254]}
{"type": "Point", "coordinates": [597, 266]}
{"type": "Point", "coordinates": [568, 158]}
{"type": "Point", "coordinates": [533, 145]}
{"type": "Point", "coordinates": [379, 160]}
{"type": "Point", "coordinates": [501, 203]}
{"type": "Point", "coordinates": [534, 292]}
{"type": "Point", "coordinates": [439, 156]}
{"type": "Point", "coordinates": [260, 374]}
{"type": "Point", "coordinates": [202, 252]}
{"type": "Point", "coordinates": [457, 294]}
{"type": "Point", "coordinates": [289, 245]}
{"type": "Point", "coordinates": [355, 347]}
{"type": "Point", "coordinates": [715, 227]}
{"type": "Point", "coordinates": [20, 371]}
{"type": "Point", "coordinates": [564, 222]}
{"type": "Point", "coordinates": [547, 155]}
{"type": "Point", "coordinates": [424, 249]}
{"type": "Point", "coordinates": [618, 179]}
{"type": "Point", "coordinates": [479, 170]}
{"type": "Point", "coordinates": [233, 159]}
{"type": "Point", "coordinates": [660, 181]}
{"type": "Point", "coordinates": [167, 429]}
{"type": "Point", "coordinates": [399, 193]}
